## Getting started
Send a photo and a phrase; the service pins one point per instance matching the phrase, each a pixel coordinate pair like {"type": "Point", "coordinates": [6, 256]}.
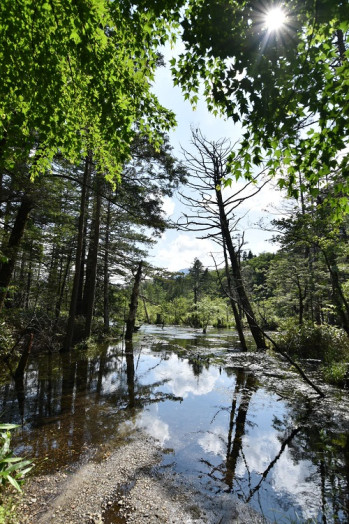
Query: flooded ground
{"type": "Point", "coordinates": [229, 430]}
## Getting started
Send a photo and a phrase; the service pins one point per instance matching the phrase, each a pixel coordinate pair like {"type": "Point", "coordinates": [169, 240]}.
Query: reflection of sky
{"type": "Point", "coordinates": [182, 381]}
{"type": "Point", "coordinates": [197, 429]}
{"type": "Point", "coordinates": [288, 479]}
{"type": "Point", "coordinates": [150, 422]}
{"type": "Point", "coordinates": [189, 414]}
{"type": "Point", "coordinates": [287, 476]}
{"type": "Point", "coordinates": [213, 441]}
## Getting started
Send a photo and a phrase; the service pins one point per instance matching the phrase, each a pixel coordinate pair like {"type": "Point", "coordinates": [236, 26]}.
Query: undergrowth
{"type": "Point", "coordinates": [326, 343]}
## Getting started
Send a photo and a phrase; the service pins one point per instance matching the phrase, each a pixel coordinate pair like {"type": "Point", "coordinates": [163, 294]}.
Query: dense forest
{"type": "Point", "coordinates": [85, 163]}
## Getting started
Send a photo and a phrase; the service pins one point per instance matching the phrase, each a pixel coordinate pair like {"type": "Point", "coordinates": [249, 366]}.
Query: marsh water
{"type": "Point", "coordinates": [224, 430]}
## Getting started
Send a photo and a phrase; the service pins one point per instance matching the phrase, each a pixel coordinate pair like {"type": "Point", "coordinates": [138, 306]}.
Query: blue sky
{"type": "Point", "coordinates": [177, 249]}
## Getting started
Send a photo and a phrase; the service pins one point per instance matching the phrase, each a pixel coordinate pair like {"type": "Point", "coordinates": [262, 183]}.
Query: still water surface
{"type": "Point", "coordinates": [221, 428]}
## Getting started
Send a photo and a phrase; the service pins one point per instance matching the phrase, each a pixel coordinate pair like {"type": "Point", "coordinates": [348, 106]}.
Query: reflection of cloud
{"type": "Point", "coordinates": [154, 426]}
{"type": "Point", "coordinates": [212, 442]}
{"type": "Point", "coordinates": [286, 476]}
{"type": "Point", "coordinates": [182, 381]}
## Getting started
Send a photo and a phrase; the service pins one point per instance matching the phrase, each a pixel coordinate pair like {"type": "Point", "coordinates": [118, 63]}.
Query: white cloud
{"type": "Point", "coordinates": [180, 252]}
{"type": "Point", "coordinates": [168, 205]}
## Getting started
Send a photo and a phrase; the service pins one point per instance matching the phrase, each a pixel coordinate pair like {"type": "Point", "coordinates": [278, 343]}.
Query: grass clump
{"type": "Point", "coordinates": [8, 514]}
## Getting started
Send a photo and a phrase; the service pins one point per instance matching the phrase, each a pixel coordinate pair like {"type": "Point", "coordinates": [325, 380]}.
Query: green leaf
{"type": "Point", "coordinates": [8, 426]}
{"type": "Point", "coordinates": [14, 483]}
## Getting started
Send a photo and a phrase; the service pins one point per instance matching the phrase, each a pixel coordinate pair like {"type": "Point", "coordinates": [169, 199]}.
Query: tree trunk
{"type": "Point", "coordinates": [234, 261]}
{"type": "Point", "coordinates": [237, 318]}
{"type": "Point", "coordinates": [301, 298]}
{"type": "Point", "coordinates": [11, 250]}
{"type": "Point", "coordinates": [130, 323]}
{"type": "Point", "coordinates": [80, 305]}
{"type": "Point", "coordinates": [146, 311]}
{"type": "Point", "coordinates": [62, 286]}
{"type": "Point", "coordinates": [92, 259]}
{"type": "Point", "coordinates": [74, 296]}
{"type": "Point", "coordinates": [106, 274]}
{"type": "Point", "coordinates": [52, 280]}
{"type": "Point", "coordinates": [339, 298]}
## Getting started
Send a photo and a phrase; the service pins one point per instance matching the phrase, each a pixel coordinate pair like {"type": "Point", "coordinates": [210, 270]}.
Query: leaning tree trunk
{"type": "Point", "coordinates": [74, 297]}
{"type": "Point", "coordinates": [237, 318]}
{"type": "Point", "coordinates": [239, 284]}
{"type": "Point", "coordinates": [11, 250]}
{"type": "Point", "coordinates": [130, 323]}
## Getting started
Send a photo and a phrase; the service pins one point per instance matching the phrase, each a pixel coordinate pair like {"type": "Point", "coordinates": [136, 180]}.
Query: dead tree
{"type": "Point", "coordinates": [213, 211]}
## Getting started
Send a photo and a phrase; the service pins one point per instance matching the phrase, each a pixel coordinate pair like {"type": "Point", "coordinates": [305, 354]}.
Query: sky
{"type": "Point", "coordinates": [177, 250]}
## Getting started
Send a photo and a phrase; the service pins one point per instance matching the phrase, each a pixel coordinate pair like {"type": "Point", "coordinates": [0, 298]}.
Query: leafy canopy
{"type": "Point", "coordinates": [75, 76]}
{"type": "Point", "coordinates": [288, 88]}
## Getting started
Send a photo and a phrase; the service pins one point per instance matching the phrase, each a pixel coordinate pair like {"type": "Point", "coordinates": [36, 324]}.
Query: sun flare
{"type": "Point", "coordinates": [275, 19]}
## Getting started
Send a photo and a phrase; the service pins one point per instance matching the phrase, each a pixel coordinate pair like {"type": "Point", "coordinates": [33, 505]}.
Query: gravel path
{"type": "Point", "coordinates": [126, 487]}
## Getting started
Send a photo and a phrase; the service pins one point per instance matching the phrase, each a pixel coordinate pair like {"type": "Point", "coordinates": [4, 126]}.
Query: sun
{"type": "Point", "coordinates": [275, 18]}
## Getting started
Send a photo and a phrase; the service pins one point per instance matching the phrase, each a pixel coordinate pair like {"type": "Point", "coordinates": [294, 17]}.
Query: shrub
{"type": "Point", "coordinates": [325, 342]}
{"type": "Point", "coordinates": [336, 373]}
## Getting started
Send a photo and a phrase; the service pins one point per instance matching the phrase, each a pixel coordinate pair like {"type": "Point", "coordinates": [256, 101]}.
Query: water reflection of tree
{"type": "Point", "coordinates": [75, 402]}
{"type": "Point", "coordinates": [140, 394]}
{"type": "Point", "coordinates": [199, 363]}
{"type": "Point", "coordinates": [245, 386]}
{"type": "Point", "coordinates": [327, 447]}
{"type": "Point", "coordinates": [130, 373]}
